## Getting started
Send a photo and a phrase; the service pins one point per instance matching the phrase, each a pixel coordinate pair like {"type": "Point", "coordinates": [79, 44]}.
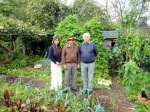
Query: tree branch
{"type": "Point", "coordinates": [4, 48]}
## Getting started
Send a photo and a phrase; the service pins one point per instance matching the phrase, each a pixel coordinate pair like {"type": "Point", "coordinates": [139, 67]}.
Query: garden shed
{"type": "Point", "coordinates": [109, 38]}
{"type": "Point", "coordinates": [144, 27]}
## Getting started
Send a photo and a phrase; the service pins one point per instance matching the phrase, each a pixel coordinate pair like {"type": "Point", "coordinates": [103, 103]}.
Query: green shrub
{"type": "Point", "coordinates": [68, 27]}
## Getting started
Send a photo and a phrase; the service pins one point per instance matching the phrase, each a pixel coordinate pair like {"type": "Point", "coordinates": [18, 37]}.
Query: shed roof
{"type": "Point", "coordinates": [143, 24]}
{"type": "Point", "coordinates": [110, 34]}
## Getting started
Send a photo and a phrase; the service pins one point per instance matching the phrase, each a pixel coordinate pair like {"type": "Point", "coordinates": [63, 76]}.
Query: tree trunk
{"type": "Point", "coordinates": [5, 51]}
{"type": "Point", "coordinates": [23, 47]}
{"type": "Point", "coordinates": [127, 56]}
{"type": "Point", "coordinates": [12, 45]}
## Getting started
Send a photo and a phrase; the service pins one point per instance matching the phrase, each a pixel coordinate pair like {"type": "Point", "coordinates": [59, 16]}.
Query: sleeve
{"type": "Point", "coordinates": [95, 50]}
{"type": "Point", "coordinates": [50, 55]}
{"type": "Point", "coordinates": [78, 55]}
{"type": "Point", "coordinates": [63, 56]}
{"type": "Point", "coordinates": [79, 49]}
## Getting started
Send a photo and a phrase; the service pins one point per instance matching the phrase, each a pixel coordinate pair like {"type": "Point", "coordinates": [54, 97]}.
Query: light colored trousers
{"type": "Point", "coordinates": [56, 76]}
{"type": "Point", "coordinates": [87, 73]}
{"type": "Point", "coordinates": [71, 72]}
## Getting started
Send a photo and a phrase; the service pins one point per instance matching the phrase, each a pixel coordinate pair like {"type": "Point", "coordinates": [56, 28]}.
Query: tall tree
{"type": "Point", "coordinates": [46, 13]}
{"type": "Point", "coordinates": [87, 9]}
{"type": "Point", "coordinates": [19, 11]}
{"type": "Point", "coordinates": [129, 12]}
{"type": "Point", "coordinates": [14, 8]}
{"type": "Point", "coordinates": [6, 8]}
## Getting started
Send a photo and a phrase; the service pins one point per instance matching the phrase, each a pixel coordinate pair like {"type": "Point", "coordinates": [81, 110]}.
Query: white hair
{"type": "Point", "coordinates": [86, 34]}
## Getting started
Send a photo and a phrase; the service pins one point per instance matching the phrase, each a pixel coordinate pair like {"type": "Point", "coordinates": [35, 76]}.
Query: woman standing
{"type": "Point", "coordinates": [56, 71]}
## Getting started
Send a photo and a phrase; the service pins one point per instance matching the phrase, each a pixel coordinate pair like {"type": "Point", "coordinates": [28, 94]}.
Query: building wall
{"type": "Point", "coordinates": [107, 44]}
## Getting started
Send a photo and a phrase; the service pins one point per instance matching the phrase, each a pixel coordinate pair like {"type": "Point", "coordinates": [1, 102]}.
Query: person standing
{"type": "Point", "coordinates": [88, 52]}
{"type": "Point", "coordinates": [56, 70]}
{"type": "Point", "coordinates": [71, 61]}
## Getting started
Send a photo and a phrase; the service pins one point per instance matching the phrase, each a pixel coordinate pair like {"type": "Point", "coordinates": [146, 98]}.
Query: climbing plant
{"type": "Point", "coordinates": [11, 29]}
{"type": "Point", "coordinates": [95, 28]}
{"type": "Point", "coordinates": [68, 27]}
{"type": "Point", "coordinates": [14, 27]}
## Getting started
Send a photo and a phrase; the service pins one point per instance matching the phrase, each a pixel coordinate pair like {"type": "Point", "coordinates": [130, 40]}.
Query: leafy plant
{"type": "Point", "coordinates": [68, 27]}
{"type": "Point", "coordinates": [3, 69]}
{"type": "Point", "coordinates": [134, 79]}
{"type": "Point", "coordinates": [28, 98]}
{"type": "Point", "coordinates": [131, 45]}
{"type": "Point", "coordinates": [141, 107]}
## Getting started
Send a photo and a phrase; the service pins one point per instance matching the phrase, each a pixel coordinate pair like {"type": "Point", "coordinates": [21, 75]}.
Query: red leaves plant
{"type": "Point", "coordinates": [33, 107]}
{"type": "Point", "coordinates": [7, 98]}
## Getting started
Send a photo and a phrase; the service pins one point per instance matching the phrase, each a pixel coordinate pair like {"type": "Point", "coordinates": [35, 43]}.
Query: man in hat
{"type": "Point", "coordinates": [71, 61]}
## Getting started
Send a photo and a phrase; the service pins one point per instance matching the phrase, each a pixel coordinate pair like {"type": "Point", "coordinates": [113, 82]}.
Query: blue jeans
{"type": "Point", "coordinates": [87, 73]}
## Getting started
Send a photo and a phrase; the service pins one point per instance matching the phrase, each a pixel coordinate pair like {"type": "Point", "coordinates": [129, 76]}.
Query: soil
{"type": "Point", "coordinates": [113, 100]}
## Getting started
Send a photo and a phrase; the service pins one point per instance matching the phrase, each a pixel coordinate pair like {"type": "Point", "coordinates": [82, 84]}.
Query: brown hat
{"type": "Point", "coordinates": [71, 38]}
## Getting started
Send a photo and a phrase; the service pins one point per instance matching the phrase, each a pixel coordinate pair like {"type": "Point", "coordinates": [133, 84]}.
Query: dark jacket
{"type": "Point", "coordinates": [88, 52]}
{"type": "Point", "coordinates": [54, 58]}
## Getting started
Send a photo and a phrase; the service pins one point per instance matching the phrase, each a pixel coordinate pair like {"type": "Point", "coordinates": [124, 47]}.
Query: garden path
{"type": "Point", "coordinates": [114, 100]}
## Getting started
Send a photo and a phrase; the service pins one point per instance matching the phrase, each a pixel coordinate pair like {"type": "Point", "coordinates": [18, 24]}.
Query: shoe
{"type": "Point", "coordinates": [65, 91]}
{"type": "Point", "coordinates": [88, 92]}
{"type": "Point", "coordinates": [75, 89]}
